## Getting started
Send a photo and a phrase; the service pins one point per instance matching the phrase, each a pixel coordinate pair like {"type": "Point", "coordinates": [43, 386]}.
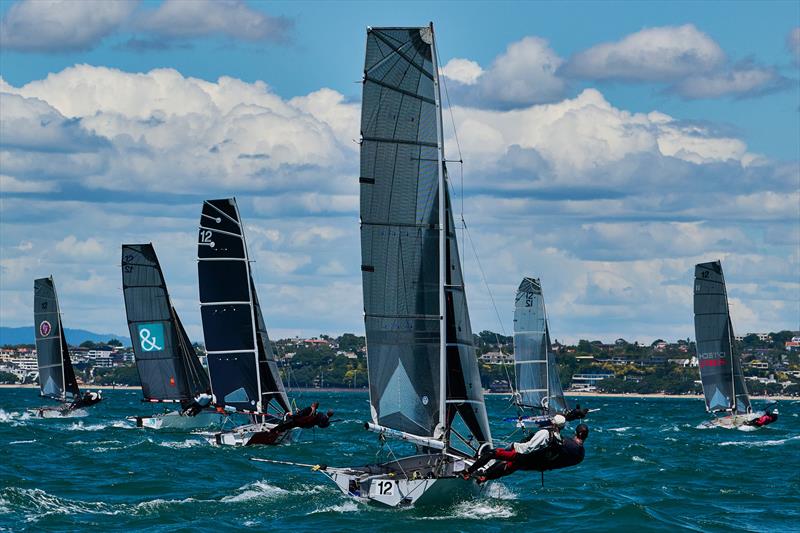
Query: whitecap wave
{"type": "Point", "coordinates": [188, 443]}
{"type": "Point", "coordinates": [759, 443]}
{"type": "Point", "coordinates": [638, 459]}
{"type": "Point", "coordinates": [498, 491]}
{"type": "Point", "coordinates": [80, 426]}
{"type": "Point", "coordinates": [256, 491]}
{"type": "Point", "coordinates": [22, 441]}
{"type": "Point", "coordinates": [482, 510]}
{"type": "Point", "coordinates": [620, 430]}
{"type": "Point", "coordinates": [347, 507]}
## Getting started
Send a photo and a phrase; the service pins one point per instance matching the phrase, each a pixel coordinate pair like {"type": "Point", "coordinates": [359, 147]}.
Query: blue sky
{"type": "Point", "coordinates": [608, 147]}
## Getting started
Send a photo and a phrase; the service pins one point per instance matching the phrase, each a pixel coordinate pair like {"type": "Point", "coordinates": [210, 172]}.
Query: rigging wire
{"type": "Point", "coordinates": [464, 230]}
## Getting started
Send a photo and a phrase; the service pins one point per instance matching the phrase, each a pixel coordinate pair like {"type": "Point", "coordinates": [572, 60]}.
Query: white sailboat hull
{"type": "Point", "coordinates": [730, 421]}
{"type": "Point", "coordinates": [58, 412]}
{"type": "Point", "coordinates": [418, 480]}
{"type": "Point", "coordinates": [250, 435]}
{"type": "Point", "coordinates": [174, 420]}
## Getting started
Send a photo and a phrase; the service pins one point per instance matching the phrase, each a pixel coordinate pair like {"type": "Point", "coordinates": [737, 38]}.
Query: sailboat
{"type": "Point", "coordinates": [241, 362]}
{"type": "Point", "coordinates": [538, 393]}
{"type": "Point", "coordinates": [169, 369]}
{"type": "Point", "coordinates": [724, 387]}
{"type": "Point", "coordinates": [424, 383]}
{"type": "Point", "coordinates": [56, 375]}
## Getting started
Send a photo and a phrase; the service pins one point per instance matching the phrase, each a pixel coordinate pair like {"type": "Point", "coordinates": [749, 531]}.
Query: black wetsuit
{"type": "Point", "coordinates": [576, 414]}
{"type": "Point", "coordinates": [304, 418]}
{"type": "Point", "coordinates": [88, 399]}
{"type": "Point", "coordinates": [570, 453]}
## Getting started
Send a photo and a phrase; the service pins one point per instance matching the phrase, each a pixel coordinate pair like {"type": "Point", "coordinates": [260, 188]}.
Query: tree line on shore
{"type": "Point", "coordinates": [341, 362]}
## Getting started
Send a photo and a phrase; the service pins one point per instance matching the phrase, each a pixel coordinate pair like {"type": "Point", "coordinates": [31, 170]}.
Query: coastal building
{"type": "Point", "coordinates": [496, 358]}
{"type": "Point", "coordinates": [588, 382]}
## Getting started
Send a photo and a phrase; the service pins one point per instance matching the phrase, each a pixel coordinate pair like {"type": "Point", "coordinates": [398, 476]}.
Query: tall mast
{"type": "Point", "coordinates": [60, 343]}
{"type": "Point", "coordinates": [546, 345]}
{"type": "Point", "coordinates": [442, 242]}
{"type": "Point", "coordinates": [254, 325]}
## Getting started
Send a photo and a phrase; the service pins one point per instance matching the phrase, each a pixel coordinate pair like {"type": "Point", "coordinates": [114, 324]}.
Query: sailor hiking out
{"type": "Point", "coordinates": [543, 450]}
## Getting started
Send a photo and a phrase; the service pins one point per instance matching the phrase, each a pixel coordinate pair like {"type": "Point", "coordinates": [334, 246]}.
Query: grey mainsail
{"type": "Point", "coordinates": [168, 367]}
{"type": "Point", "coordinates": [720, 369]}
{"type": "Point", "coordinates": [421, 358]}
{"type": "Point", "coordinates": [538, 386]}
{"type": "Point", "coordinates": [56, 375]}
{"type": "Point", "coordinates": [241, 362]}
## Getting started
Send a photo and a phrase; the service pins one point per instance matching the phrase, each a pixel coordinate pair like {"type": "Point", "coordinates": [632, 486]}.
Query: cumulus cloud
{"type": "Point", "coordinates": [610, 207]}
{"type": "Point", "coordinates": [691, 62]}
{"type": "Point", "coordinates": [61, 25]}
{"type": "Point", "coordinates": [652, 54]}
{"type": "Point", "coordinates": [744, 80]}
{"type": "Point", "coordinates": [524, 74]}
{"type": "Point", "coordinates": [462, 71]}
{"type": "Point", "coordinates": [73, 247]}
{"type": "Point", "coordinates": [179, 19]}
{"type": "Point", "coordinates": [139, 128]}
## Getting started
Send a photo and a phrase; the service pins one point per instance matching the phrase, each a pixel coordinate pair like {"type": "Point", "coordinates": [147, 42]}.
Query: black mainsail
{"type": "Point", "coordinates": [56, 375]}
{"type": "Point", "coordinates": [241, 361]}
{"type": "Point", "coordinates": [720, 369]}
{"type": "Point", "coordinates": [421, 358]}
{"type": "Point", "coordinates": [538, 386]}
{"type": "Point", "coordinates": [169, 369]}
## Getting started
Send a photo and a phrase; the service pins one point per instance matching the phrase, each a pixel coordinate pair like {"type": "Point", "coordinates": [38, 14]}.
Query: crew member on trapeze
{"type": "Point", "coordinates": [306, 418]}
{"type": "Point", "coordinates": [545, 450]}
{"type": "Point", "coordinates": [89, 398]}
{"type": "Point", "coordinates": [576, 414]}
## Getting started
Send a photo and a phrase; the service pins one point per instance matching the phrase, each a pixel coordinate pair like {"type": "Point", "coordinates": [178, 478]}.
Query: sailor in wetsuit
{"type": "Point", "coordinates": [767, 418]}
{"type": "Point", "coordinates": [510, 459]}
{"type": "Point", "coordinates": [88, 398]}
{"type": "Point", "coordinates": [305, 418]}
{"type": "Point", "coordinates": [197, 404]}
{"type": "Point", "coordinates": [558, 454]}
{"type": "Point", "coordinates": [576, 414]}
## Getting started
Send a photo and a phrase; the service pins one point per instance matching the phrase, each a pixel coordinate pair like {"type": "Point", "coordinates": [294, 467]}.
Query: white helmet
{"type": "Point", "coordinates": [559, 421]}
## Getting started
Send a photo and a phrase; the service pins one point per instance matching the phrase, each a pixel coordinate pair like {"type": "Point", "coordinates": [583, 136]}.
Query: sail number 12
{"type": "Point", "coordinates": [382, 488]}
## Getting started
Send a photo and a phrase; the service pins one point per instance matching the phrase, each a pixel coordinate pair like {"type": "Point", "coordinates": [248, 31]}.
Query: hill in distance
{"type": "Point", "coordinates": [24, 335]}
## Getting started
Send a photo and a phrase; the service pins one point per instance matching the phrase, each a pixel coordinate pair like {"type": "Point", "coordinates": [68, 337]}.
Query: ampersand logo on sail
{"type": "Point", "coordinates": [151, 337]}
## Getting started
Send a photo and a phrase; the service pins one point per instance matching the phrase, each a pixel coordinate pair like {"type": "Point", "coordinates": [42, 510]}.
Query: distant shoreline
{"type": "Point", "coordinates": [334, 389]}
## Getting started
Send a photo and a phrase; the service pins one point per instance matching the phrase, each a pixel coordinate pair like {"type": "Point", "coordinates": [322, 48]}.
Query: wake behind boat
{"type": "Point", "coordinates": [56, 375]}
{"type": "Point", "coordinates": [724, 387]}
{"type": "Point", "coordinates": [169, 369]}
{"type": "Point", "coordinates": [424, 384]}
{"type": "Point", "coordinates": [241, 361]}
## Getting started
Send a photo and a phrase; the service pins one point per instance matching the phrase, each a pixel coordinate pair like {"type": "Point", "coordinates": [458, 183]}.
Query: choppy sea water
{"type": "Point", "coordinates": [648, 468]}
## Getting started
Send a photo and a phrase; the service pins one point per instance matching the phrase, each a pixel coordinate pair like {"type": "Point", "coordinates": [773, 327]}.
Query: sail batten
{"type": "Point", "coordinates": [168, 367]}
{"type": "Point", "coordinates": [537, 383]}
{"type": "Point", "coordinates": [724, 387]}
{"type": "Point", "coordinates": [244, 374]}
{"type": "Point", "coordinates": [56, 375]}
{"type": "Point", "coordinates": [421, 359]}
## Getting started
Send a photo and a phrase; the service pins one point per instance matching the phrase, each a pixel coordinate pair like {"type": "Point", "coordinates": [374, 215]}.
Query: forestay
{"type": "Point", "coordinates": [168, 367]}
{"type": "Point", "coordinates": [422, 365]}
{"type": "Point", "coordinates": [56, 375]}
{"type": "Point", "coordinates": [244, 374]}
{"type": "Point", "coordinates": [538, 386]}
{"type": "Point", "coordinates": [720, 369]}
